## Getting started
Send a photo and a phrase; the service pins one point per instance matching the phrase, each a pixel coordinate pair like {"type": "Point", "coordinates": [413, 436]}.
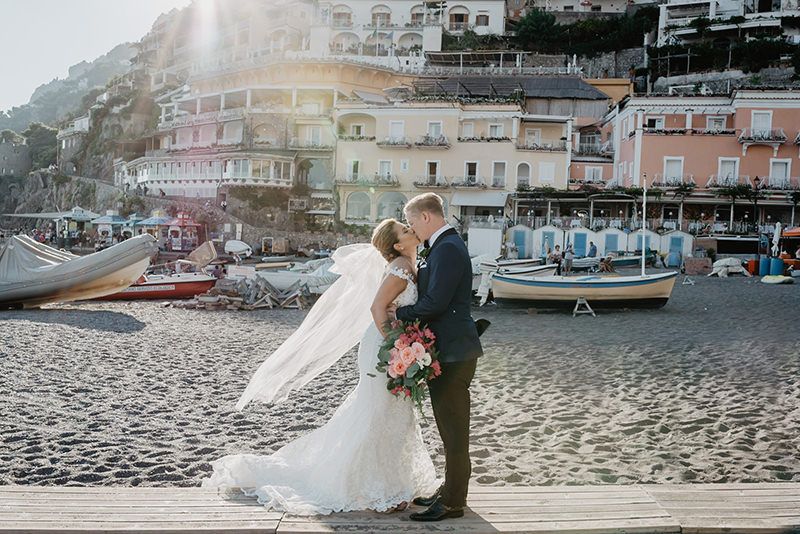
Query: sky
{"type": "Point", "coordinates": [41, 39]}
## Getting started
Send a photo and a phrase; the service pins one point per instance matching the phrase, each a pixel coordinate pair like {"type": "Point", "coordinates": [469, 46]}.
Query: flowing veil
{"type": "Point", "coordinates": [334, 325]}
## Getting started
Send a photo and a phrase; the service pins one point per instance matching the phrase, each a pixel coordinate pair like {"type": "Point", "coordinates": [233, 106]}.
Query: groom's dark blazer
{"type": "Point", "coordinates": [444, 279]}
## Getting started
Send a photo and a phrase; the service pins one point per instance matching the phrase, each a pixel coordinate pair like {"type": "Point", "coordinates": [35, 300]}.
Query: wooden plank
{"type": "Point", "coordinates": [343, 519]}
{"type": "Point", "coordinates": [476, 525]}
{"type": "Point", "coordinates": [121, 517]}
{"type": "Point", "coordinates": [724, 486]}
{"type": "Point", "coordinates": [162, 528]}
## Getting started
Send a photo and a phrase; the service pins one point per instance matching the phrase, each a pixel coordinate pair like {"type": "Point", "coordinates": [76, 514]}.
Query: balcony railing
{"type": "Point", "coordinates": [664, 131]}
{"type": "Point", "coordinates": [309, 145]}
{"type": "Point", "coordinates": [395, 142]}
{"type": "Point", "coordinates": [428, 181]}
{"type": "Point", "coordinates": [544, 146]}
{"type": "Point", "coordinates": [727, 181]}
{"type": "Point", "coordinates": [499, 182]}
{"type": "Point", "coordinates": [356, 137]}
{"type": "Point", "coordinates": [757, 135]}
{"type": "Point", "coordinates": [673, 181]}
{"type": "Point", "coordinates": [468, 182]}
{"type": "Point", "coordinates": [459, 26]}
{"type": "Point", "coordinates": [588, 149]}
{"type": "Point", "coordinates": [432, 141]}
{"type": "Point", "coordinates": [714, 131]}
{"type": "Point", "coordinates": [377, 179]}
{"type": "Point", "coordinates": [780, 183]}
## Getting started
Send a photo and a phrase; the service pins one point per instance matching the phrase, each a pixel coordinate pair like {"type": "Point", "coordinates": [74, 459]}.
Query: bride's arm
{"type": "Point", "coordinates": [390, 288]}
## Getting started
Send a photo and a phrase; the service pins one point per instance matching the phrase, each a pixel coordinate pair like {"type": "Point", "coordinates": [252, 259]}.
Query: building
{"type": "Point", "coordinates": [269, 126]}
{"type": "Point", "coordinates": [70, 140]}
{"type": "Point", "coordinates": [687, 21]}
{"type": "Point", "coordinates": [15, 158]}
{"type": "Point", "coordinates": [473, 140]}
{"type": "Point", "coordinates": [710, 145]}
{"type": "Point", "coordinates": [581, 6]}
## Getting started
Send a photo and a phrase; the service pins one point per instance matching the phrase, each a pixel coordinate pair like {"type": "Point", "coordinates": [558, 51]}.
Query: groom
{"type": "Point", "coordinates": [444, 278]}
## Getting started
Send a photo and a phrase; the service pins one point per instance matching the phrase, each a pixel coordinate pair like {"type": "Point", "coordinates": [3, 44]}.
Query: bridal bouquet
{"type": "Point", "coordinates": [409, 360]}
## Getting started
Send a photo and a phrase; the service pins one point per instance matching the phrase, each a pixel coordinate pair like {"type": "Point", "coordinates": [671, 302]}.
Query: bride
{"type": "Point", "coordinates": [370, 454]}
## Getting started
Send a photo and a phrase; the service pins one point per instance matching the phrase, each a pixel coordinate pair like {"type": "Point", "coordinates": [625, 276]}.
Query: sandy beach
{"type": "Point", "coordinates": [706, 389]}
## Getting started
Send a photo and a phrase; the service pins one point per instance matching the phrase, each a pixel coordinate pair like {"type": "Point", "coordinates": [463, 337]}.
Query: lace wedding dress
{"type": "Point", "coordinates": [368, 456]}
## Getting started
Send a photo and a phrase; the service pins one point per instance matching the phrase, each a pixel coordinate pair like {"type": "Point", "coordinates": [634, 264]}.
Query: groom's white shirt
{"type": "Point", "coordinates": [437, 233]}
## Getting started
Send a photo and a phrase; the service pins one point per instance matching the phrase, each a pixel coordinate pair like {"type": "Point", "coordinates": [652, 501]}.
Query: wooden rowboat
{"type": "Point", "coordinates": [648, 291]}
{"type": "Point", "coordinates": [170, 286]}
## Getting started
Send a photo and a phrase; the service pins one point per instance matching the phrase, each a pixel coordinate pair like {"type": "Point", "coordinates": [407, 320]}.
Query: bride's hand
{"type": "Point", "coordinates": [391, 311]}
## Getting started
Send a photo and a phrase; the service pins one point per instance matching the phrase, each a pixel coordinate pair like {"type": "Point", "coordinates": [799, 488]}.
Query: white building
{"type": "Point", "coordinates": [581, 6]}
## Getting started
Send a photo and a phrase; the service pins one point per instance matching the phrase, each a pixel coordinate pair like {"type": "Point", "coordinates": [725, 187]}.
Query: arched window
{"type": "Point", "coordinates": [358, 206]}
{"type": "Point", "coordinates": [391, 205]}
{"type": "Point", "coordinates": [523, 175]}
{"type": "Point", "coordinates": [381, 16]}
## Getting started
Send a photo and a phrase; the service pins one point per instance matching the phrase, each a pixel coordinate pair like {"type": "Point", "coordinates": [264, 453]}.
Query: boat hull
{"type": "Point", "coordinates": [167, 287]}
{"type": "Point", "coordinates": [652, 291]}
{"type": "Point", "coordinates": [83, 278]}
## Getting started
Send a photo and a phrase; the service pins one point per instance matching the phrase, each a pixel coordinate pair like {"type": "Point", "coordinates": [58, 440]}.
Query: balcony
{"type": "Point", "coordinates": [302, 144]}
{"type": "Point", "coordinates": [431, 182]}
{"type": "Point", "coordinates": [432, 141]}
{"type": "Point", "coordinates": [206, 117]}
{"type": "Point", "coordinates": [468, 182]}
{"type": "Point", "coordinates": [374, 180]}
{"type": "Point", "coordinates": [673, 181]}
{"type": "Point", "coordinates": [356, 137]}
{"type": "Point", "coordinates": [588, 149]}
{"type": "Point", "coordinates": [459, 26]}
{"type": "Point", "coordinates": [663, 131]}
{"type": "Point", "coordinates": [758, 136]}
{"type": "Point", "coordinates": [544, 146]}
{"type": "Point", "coordinates": [714, 131]}
{"type": "Point", "coordinates": [482, 139]}
{"type": "Point", "coordinates": [395, 142]}
{"type": "Point", "coordinates": [727, 181]}
{"type": "Point", "coordinates": [499, 182]}
{"type": "Point", "coordinates": [780, 183]}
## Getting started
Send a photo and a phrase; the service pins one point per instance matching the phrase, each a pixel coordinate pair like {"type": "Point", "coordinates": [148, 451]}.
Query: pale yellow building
{"type": "Point", "coordinates": [473, 152]}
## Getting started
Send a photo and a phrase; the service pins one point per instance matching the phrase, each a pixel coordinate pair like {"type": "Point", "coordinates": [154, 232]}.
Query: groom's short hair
{"type": "Point", "coordinates": [426, 202]}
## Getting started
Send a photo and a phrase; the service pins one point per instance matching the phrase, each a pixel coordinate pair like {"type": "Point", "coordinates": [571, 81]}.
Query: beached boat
{"type": "Point", "coordinates": [491, 266]}
{"type": "Point", "coordinates": [632, 261]}
{"type": "Point", "coordinates": [166, 286]}
{"type": "Point", "coordinates": [33, 274]}
{"type": "Point", "coordinates": [585, 264]}
{"type": "Point", "coordinates": [642, 291]}
{"type": "Point", "coordinates": [485, 280]}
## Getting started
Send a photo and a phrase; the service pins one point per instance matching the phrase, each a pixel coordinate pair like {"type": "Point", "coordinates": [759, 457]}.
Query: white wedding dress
{"type": "Point", "coordinates": [368, 456]}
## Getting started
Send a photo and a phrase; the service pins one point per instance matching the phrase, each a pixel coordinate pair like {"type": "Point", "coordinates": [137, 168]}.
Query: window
{"type": "Point", "coordinates": [715, 123]}
{"type": "Point", "coordinates": [523, 175]}
{"type": "Point", "coordinates": [498, 174]}
{"type": "Point", "coordinates": [728, 171]}
{"type": "Point", "coordinates": [396, 130]}
{"type": "Point", "coordinates": [779, 170]}
{"type": "Point", "coordinates": [435, 129]}
{"type": "Point", "coordinates": [547, 172]}
{"type": "Point", "coordinates": [673, 170]}
{"type": "Point", "coordinates": [432, 168]}
{"type": "Point", "coordinates": [385, 168]}
{"type": "Point", "coordinates": [482, 20]}
{"type": "Point", "coordinates": [356, 130]}
{"type": "Point", "coordinates": [459, 21]}
{"type": "Point", "coordinates": [594, 174]}
{"type": "Point", "coordinates": [656, 123]}
{"type": "Point", "coordinates": [761, 122]}
{"type": "Point", "coordinates": [468, 129]}
{"type": "Point", "coordinates": [471, 171]}
{"type": "Point", "coordinates": [417, 19]}
{"type": "Point", "coordinates": [353, 168]}
{"type": "Point", "coordinates": [597, 8]}
{"type": "Point", "coordinates": [621, 171]}
{"type": "Point", "coordinates": [533, 136]}
{"type": "Point", "coordinates": [495, 130]}
{"type": "Point", "coordinates": [569, 8]}
{"type": "Point", "coordinates": [315, 135]}
{"type": "Point", "coordinates": [404, 165]}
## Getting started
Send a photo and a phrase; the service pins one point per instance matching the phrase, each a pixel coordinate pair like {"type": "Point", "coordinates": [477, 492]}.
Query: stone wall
{"type": "Point", "coordinates": [15, 159]}
{"type": "Point", "coordinates": [722, 82]}
{"type": "Point", "coordinates": [615, 64]}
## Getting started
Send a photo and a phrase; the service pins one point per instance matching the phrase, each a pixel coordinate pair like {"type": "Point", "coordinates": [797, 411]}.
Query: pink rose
{"type": "Point", "coordinates": [419, 350]}
{"type": "Point", "coordinates": [398, 344]}
{"type": "Point", "coordinates": [394, 354]}
{"type": "Point", "coordinates": [397, 368]}
{"type": "Point", "coordinates": [407, 356]}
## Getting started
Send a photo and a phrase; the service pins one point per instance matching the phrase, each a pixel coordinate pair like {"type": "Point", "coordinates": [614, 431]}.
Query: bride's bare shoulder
{"type": "Point", "coordinates": [403, 265]}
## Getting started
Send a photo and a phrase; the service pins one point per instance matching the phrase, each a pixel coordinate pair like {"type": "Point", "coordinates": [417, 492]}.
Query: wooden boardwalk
{"type": "Point", "coordinates": [685, 508]}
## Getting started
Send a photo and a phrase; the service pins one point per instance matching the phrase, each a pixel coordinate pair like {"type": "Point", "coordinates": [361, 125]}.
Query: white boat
{"type": "Point", "coordinates": [491, 266]}
{"type": "Point", "coordinates": [485, 283]}
{"type": "Point", "coordinates": [647, 291]}
{"type": "Point", "coordinates": [33, 274]}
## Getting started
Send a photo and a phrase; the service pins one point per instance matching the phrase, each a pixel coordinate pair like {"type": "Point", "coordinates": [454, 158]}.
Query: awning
{"type": "Point", "coordinates": [320, 212]}
{"type": "Point", "coordinates": [76, 214]}
{"type": "Point", "coordinates": [488, 199]}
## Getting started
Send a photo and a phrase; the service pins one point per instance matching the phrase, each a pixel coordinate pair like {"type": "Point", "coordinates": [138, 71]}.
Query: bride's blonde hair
{"type": "Point", "coordinates": [384, 238]}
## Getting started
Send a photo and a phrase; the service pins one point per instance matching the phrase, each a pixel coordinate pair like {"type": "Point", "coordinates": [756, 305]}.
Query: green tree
{"type": "Point", "coordinates": [10, 136]}
{"type": "Point", "coordinates": [42, 142]}
{"type": "Point", "coordinates": [539, 31]}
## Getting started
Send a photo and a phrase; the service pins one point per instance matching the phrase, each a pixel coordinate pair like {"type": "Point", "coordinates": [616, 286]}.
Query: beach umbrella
{"type": "Point", "coordinates": [776, 238]}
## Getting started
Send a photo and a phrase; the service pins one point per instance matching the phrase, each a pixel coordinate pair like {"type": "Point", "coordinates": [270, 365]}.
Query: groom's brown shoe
{"type": "Point", "coordinates": [437, 512]}
{"type": "Point", "coordinates": [427, 501]}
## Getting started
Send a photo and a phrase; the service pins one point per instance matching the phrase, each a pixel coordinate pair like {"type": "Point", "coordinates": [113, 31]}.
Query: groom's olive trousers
{"type": "Point", "coordinates": [451, 407]}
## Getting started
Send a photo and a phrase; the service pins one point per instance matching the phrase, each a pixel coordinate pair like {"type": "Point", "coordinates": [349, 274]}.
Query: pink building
{"type": "Point", "coordinates": [713, 143]}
